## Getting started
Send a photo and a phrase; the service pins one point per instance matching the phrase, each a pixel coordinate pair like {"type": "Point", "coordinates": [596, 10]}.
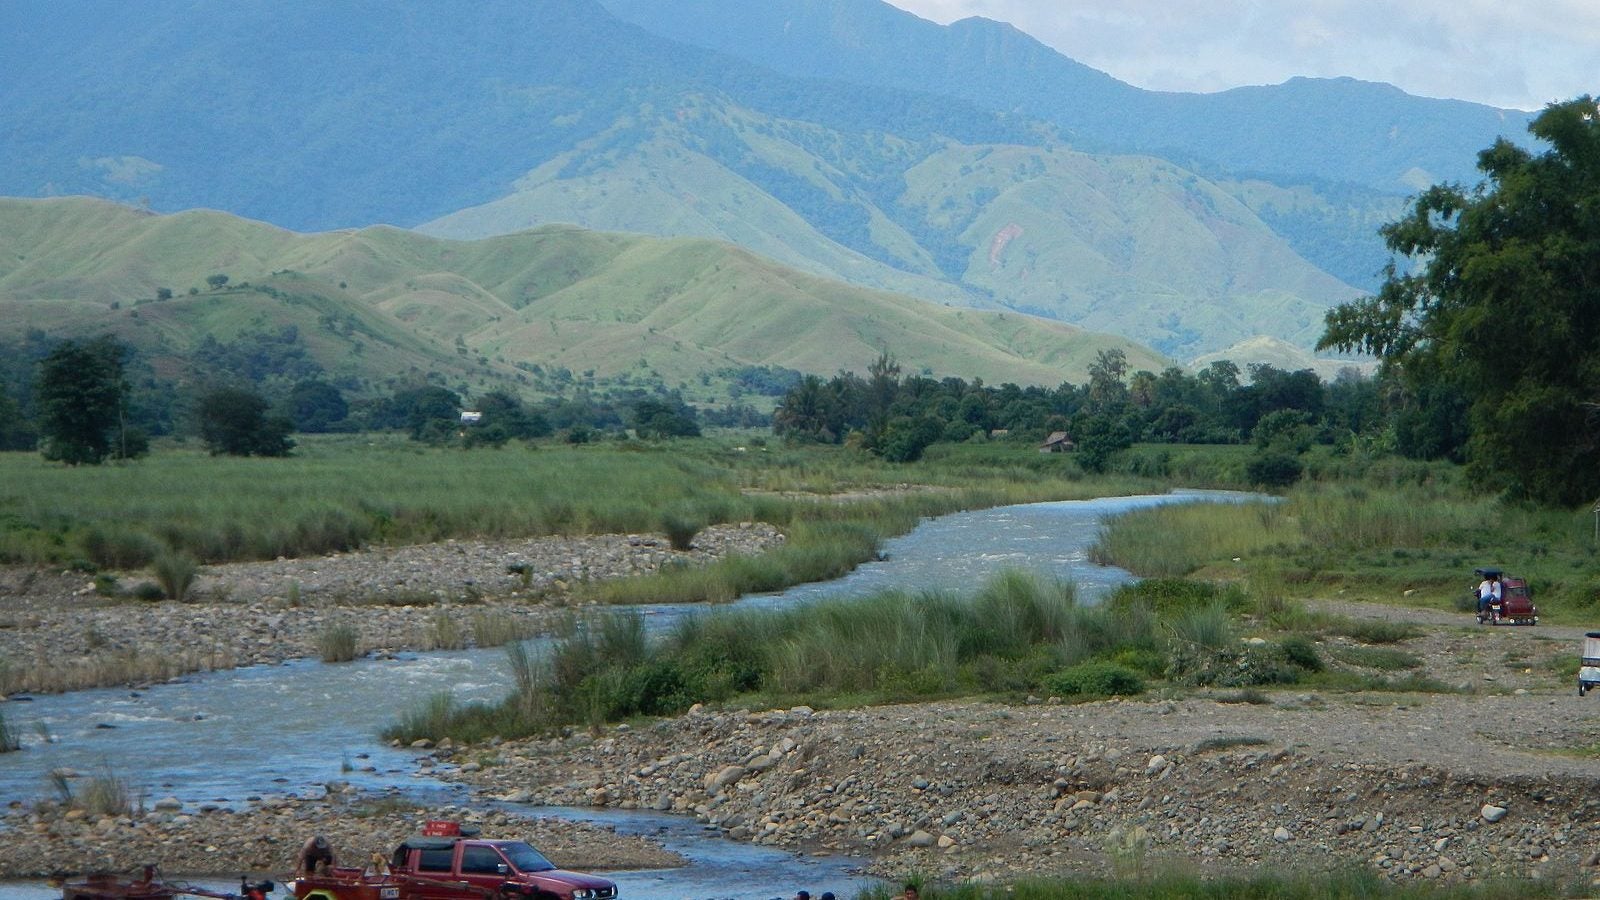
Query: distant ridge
{"type": "Point", "coordinates": [383, 303]}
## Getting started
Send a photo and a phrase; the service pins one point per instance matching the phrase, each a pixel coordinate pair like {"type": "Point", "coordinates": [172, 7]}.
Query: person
{"type": "Point", "coordinates": [315, 856]}
{"type": "Point", "coordinates": [803, 895]}
{"type": "Point", "coordinates": [910, 892]}
{"type": "Point", "coordinates": [826, 895]}
{"type": "Point", "coordinates": [1488, 592]}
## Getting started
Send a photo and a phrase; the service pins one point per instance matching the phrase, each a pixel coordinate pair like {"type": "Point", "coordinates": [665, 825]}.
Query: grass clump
{"type": "Point", "coordinates": [175, 572]}
{"type": "Point", "coordinates": [337, 643]}
{"type": "Point", "coordinates": [104, 794]}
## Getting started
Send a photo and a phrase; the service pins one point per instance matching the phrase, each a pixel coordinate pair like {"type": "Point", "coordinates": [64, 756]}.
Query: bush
{"type": "Point", "coordinates": [1301, 653]}
{"type": "Point", "coordinates": [1095, 678]}
{"type": "Point", "coordinates": [1274, 468]}
{"type": "Point", "coordinates": [680, 527]}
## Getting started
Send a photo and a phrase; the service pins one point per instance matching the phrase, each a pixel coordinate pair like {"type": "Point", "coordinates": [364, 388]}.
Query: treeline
{"type": "Point", "coordinates": [1283, 413]}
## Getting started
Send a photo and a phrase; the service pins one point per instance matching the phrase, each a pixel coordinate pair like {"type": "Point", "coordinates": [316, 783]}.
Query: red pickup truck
{"type": "Point", "coordinates": [457, 866]}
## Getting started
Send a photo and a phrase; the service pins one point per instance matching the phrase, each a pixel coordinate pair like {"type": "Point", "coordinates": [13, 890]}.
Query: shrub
{"type": "Point", "coordinates": [447, 632]}
{"type": "Point", "coordinates": [149, 591]}
{"type": "Point", "coordinates": [1274, 468]}
{"type": "Point", "coordinates": [1301, 653]}
{"type": "Point", "coordinates": [1095, 678]}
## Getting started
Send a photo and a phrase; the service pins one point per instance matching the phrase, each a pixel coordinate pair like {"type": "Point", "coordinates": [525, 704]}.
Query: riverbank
{"type": "Point", "coordinates": [1441, 786]}
{"type": "Point", "coordinates": [58, 632]}
{"type": "Point", "coordinates": [262, 839]}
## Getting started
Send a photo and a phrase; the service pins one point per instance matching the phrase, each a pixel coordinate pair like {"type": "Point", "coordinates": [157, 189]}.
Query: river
{"type": "Point", "coordinates": [201, 738]}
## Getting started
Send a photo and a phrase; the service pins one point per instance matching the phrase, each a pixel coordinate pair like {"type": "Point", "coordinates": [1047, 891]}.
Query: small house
{"type": "Point", "coordinates": [471, 418]}
{"type": "Point", "coordinates": [1057, 442]}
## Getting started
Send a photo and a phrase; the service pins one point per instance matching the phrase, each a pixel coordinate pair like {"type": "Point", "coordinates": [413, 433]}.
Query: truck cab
{"type": "Point", "coordinates": [438, 865]}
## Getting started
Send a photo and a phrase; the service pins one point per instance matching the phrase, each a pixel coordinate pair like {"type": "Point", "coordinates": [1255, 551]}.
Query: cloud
{"type": "Point", "coordinates": [1489, 51]}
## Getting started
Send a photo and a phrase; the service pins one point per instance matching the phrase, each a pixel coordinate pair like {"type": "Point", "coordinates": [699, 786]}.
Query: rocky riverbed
{"type": "Point", "coordinates": [1415, 786]}
{"type": "Point", "coordinates": [59, 632]}
{"type": "Point", "coordinates": [263, 838]}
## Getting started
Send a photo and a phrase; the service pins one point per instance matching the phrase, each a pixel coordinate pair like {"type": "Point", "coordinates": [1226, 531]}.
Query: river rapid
{"type": "Point", "coordinates": [233, 737]}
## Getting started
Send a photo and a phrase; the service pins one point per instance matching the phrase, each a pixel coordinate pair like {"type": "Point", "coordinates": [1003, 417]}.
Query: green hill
{"type": "Point", "coordinates": [383, 305]}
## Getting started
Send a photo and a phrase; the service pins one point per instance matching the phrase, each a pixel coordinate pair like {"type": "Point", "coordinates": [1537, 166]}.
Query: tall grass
{"type": "Point", "coordinates": [1177, 539]}
{"type": "Point", "coordinates": [891, 646]}
{"type": "Point", "coordinates": [337, 643]}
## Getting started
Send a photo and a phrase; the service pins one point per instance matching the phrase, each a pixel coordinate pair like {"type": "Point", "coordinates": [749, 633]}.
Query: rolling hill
{"type": "Point", "coordinates": [383, 305]}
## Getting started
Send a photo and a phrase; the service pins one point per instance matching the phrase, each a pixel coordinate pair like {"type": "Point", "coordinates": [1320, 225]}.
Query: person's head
{"type": "Point", "coordinates": [802, 895]}
{"type": "Point", "coordinates": [826, 895]}
{"type": "Point", "coordinates": [910, 892]}
{"type": "Point", "coordinates": [320, 842]}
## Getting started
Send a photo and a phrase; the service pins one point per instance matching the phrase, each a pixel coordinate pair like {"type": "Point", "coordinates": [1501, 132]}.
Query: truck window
{"type": "Point", "coordinates": [526, 859]}
{"type": "Point", "coordinates": [480, 861]}
{"type": "Point", "coordinates": [436, 860]}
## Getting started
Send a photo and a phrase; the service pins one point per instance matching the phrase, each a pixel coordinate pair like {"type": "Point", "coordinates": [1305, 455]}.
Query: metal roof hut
{"type": "Point", "coordinates": [1057, 442]}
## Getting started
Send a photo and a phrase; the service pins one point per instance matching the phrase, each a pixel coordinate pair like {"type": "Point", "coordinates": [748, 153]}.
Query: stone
{"type": "Point", "coordinates": [1282, 835]}
{"type": "Point", "coordinates": [920, 838]}
{"type": "Point", "coordinates": [1492, 813]}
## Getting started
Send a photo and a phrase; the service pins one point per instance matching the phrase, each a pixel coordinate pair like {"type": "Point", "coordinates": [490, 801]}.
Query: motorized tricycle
{"type": "Point", "coordinates": [1514, 605]}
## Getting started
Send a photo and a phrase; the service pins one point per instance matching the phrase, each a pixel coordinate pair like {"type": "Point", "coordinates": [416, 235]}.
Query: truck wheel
{"type": "Point", "coordinates": [1582, 689]}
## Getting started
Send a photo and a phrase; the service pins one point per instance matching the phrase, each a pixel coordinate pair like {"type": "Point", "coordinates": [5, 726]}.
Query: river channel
{"type": "Point", "coordinates": [201, 739]}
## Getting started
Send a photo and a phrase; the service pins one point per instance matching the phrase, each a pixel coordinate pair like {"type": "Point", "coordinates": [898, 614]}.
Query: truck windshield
{"type": "Point", "coordinates": [525, 858]}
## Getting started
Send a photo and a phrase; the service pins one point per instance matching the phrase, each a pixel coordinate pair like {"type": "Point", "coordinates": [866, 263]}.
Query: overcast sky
{"type": "Point", "coordinates": [1509, 53]}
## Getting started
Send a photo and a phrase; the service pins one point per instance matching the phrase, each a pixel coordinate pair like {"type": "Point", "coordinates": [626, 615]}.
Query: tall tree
{"type": "Point", "coordinates": [81, 392]}
{"type": "Point", "coordinates": [1504, 306]}
{"type": "Point", "coordinates": [235, 422]}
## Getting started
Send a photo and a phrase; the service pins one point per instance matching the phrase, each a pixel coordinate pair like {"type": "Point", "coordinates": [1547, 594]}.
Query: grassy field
{"type": "Point", "coordinates": [1406, 543]}
{"type": "Point", "coordinates": [341, 493]}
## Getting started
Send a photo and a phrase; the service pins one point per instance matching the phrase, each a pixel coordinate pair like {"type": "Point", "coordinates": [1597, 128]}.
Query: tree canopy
{"type": "Point", "coordinates": [234, 421]}
{"type": "Point", "coordinates": [1502, 308]}
{"type": "Point", "coordinates": [81, 390]}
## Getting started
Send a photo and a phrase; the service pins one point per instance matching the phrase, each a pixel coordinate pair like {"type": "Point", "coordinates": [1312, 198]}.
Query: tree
{"type": "Point", "coordinates": [216, 281]}
{"type": "Point", "coordinates": [657, 418]}
{"type": "Point", "coordinates": [429, 412]}
{"type": "Point", "coordinates": [235, 422]}
{"type": "Point", "coordinates": [1504, 307]}
{"type": "Point", "coordinates": [316, 406]}
{"type": "Point", "coordinates": [81, 391]}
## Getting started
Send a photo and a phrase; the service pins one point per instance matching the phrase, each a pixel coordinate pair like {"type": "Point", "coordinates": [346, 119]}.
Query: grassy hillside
{"type": "Point", "coordinates": [1127, 245]}
{"type": "Point", "coordinates": [382, 304]}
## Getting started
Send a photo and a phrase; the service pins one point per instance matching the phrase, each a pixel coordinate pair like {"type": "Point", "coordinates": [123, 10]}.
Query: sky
{"type": "Point", "coordinates": [1519, 54]}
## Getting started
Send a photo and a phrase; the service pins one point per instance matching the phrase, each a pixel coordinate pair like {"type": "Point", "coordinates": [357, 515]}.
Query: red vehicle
{"type": "Point", "coordinates": [1516, 601]}
{"type": "Point", "coordinates": [447, 862]}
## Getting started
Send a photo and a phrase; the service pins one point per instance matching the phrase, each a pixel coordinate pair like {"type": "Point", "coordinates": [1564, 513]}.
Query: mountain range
{"type": "Point", "coordinates": [967, 165]}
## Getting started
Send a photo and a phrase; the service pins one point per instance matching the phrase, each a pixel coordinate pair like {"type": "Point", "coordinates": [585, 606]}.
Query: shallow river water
{"type": "Point", "coordinates": [227, 737]}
